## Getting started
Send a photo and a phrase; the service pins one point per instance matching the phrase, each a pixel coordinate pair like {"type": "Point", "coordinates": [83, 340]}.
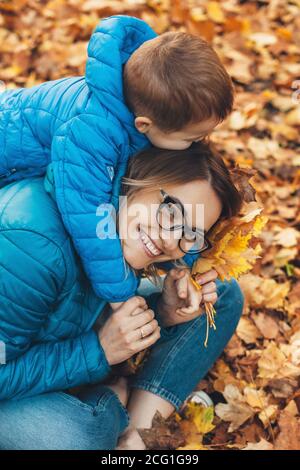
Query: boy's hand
{"type": "Point", "coordinates": [180, 300]}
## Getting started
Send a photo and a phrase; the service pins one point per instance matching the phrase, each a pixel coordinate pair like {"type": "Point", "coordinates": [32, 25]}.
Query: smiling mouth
{"type": "Point", "coordinates": [149, 246]}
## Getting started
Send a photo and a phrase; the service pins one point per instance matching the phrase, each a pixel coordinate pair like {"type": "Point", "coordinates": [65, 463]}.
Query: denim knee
{"type": "Point", "coordinates": [179, 359]}
{"type": "Point", "coordinates": [59, 421]}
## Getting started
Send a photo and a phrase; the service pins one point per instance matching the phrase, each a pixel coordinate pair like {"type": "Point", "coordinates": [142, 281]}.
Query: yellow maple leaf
{"type": "Point", "coordinates": [232, 254]}
{"type": "Point", "coordinates": [201, 416]}
{"type": "Point", "coordinates": [195, 423]}
{"type": "Point", "coordinates": [234, 250]}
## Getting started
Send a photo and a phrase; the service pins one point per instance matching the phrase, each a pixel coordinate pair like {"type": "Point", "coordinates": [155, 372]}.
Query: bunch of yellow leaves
{"type": "Point", "coordinates": [235, 248]}
{"type": "Point", "coordinates": [196, 421]}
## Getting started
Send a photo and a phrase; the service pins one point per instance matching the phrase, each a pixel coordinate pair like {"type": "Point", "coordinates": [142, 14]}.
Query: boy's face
{"type": "Point", "coordinates": [177, 140]}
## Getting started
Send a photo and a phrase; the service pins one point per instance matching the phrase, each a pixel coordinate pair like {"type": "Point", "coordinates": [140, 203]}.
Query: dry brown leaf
{"type": "Point", "coordinates": [247, 331]}
{"type": "Point", "coordinates": [274, 363]}
{"type": "Point", "coordinates": [262, 292]}
{"type": "Point", "coordinates": [261, 445]}
{"type": "Point", "coordinates": [164, 434]}
{"type": "Point", "coordinates": [266, 325]}
{"type": "Point", "coordinates": [236, 411]}
{"type": "Point", "coordinates": [289, 435]}
{"type": "Point", "coordinates": [282, 388]}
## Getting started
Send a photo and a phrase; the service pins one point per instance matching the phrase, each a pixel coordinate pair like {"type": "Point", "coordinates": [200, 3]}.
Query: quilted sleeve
{"type": "Point", "coordinates": [49, 367]}
{"type": "Point", "coordinates": [84, 154]}
{"type": "Point", "coordinates": [29, 288]}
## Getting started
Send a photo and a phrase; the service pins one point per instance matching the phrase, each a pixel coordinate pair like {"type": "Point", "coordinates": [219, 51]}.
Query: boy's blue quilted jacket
{"type": "Point", "coordinates": [83, 126]}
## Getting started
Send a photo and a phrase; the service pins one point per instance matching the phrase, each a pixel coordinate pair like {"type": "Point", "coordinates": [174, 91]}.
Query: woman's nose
{"type": "Point", "coordinates": [169, 242]}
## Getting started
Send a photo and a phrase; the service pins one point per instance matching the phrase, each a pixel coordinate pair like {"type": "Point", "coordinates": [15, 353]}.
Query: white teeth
{"type": "Point", "coordinates": [150, 245]}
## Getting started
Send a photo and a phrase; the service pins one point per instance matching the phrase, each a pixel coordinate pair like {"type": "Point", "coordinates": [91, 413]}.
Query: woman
{"type": "Point", "coordinates": [49, 314]}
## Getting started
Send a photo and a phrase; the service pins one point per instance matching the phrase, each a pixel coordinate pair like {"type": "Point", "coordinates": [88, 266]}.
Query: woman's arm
{"type": "Point", "coordinates": [48, 367]}
{"type": "Point", "coordinates": [32, 273]}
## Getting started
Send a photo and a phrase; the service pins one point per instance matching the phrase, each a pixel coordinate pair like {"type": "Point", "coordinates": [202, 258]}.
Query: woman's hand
{"type": "Point", "coordinates": [120, 336]}
{"type": "Point", "coordinates": [115, 305]}
{"type": "Point", "coordinates": [180, 300]}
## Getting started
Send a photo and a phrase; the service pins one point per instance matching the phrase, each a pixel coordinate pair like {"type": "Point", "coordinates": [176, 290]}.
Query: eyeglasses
{"type": "Point", "coordinates": [171, 216]}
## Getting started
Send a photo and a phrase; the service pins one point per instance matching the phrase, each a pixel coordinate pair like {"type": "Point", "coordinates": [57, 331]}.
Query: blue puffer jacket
{"type": "Point", "coordinates": [47, 305]}
{"type": "Point", "coordinates": [83, 126]}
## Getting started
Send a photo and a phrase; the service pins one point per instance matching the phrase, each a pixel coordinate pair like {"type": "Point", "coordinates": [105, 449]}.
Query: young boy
{"type": "Point", "coordinates": [139, 89]}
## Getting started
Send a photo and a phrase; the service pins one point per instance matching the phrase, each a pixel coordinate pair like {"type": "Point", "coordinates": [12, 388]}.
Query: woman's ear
{"type": "Point", "coordinates": [143, 124]}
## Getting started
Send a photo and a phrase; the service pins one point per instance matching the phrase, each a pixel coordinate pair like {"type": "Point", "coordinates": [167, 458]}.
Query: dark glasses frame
{"type": "Point", "coordinates": [169, 199]}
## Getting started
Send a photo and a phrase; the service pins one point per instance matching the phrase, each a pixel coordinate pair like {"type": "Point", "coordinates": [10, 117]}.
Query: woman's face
{"type": "Point", "coordinates": [138, 226]}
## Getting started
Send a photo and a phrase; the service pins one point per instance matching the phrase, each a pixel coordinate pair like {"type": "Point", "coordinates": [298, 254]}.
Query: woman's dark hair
{"type": "Point", "coordinates": [156, 167]}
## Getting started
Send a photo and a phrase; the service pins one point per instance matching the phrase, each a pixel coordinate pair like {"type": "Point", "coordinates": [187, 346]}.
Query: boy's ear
{"type": "Point", "coordinates": [143, 124]}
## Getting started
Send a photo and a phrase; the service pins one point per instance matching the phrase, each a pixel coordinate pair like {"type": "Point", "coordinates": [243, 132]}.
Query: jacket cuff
{"type": "Point", "coordinates": [96, 362]}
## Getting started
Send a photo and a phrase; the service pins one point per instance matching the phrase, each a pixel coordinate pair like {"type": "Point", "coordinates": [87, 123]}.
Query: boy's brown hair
{"type": "Point", "coordinates": [177, 79]}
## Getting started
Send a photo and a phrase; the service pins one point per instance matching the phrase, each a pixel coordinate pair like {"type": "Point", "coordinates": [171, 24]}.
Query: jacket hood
{"type": "Point", "coordinates": [111, 44]}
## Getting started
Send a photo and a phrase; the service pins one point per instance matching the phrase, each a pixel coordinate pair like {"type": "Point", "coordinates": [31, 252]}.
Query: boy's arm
{"type": "Point", "coordinates": [84, 154]}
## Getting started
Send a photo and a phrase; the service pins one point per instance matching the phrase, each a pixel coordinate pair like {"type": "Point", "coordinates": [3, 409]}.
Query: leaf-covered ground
{"type": "Point", "coordinates": [256, 381]}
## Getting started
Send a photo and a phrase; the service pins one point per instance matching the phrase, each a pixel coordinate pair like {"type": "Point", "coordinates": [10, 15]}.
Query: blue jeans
{"type": "Point", "coordinates": [176, 363]}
